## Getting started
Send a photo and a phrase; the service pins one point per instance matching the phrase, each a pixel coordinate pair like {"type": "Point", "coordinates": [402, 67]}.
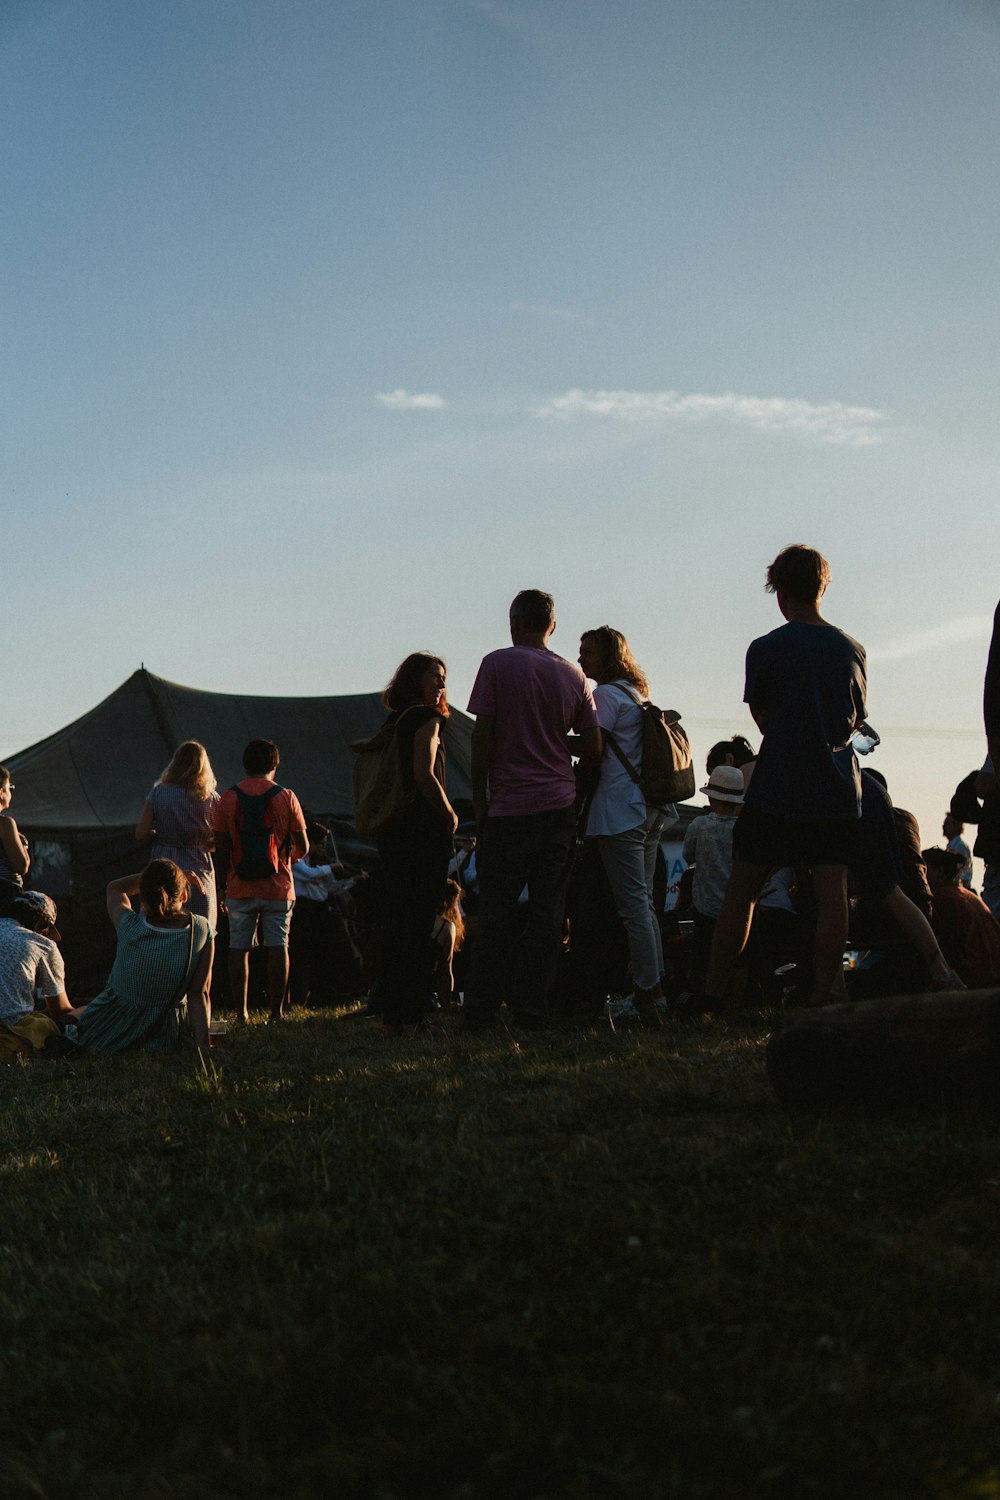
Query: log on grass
{"type": "Point", "coordinates": [909, 1050]}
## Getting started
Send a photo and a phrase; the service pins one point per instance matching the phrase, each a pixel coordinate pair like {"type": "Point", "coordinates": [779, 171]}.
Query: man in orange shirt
{"type": "Point", "coordinates": [260, 831]}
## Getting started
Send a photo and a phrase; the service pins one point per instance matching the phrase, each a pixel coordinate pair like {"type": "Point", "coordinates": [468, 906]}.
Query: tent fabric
{"type": "Point", "coordinates": [96, 772]}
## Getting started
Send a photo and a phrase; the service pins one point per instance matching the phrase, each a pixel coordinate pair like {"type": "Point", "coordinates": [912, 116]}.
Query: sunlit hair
{"type": "Point", "coordinates": [532, 609]}
{"type": "Point", "coordinates": [407, 682]}
{"type": "Point", "coordinates": [4, 777]}
{"type": "Point", "coordinates": [800, 573]}
{"type": "Point", "coordinates": [616, 660]}
{"type": "Point", "coordinates": [163, 888]}
{"type": "Point", "coordinates": [738, 747]}
{"type": "Point", "coordinates": [451, 910]}
{"type": "Point", "coordinates": [190, 768]}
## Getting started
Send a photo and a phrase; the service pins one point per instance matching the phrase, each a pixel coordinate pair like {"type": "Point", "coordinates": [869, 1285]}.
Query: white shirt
{"type": "Point", "coordinates": [618, 802]}
{"type": "Point", "coordinates": [28, 963]}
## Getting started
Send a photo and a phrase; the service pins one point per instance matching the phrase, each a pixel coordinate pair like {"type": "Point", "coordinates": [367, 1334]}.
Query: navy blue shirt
{"type": "Point", "coordinates": [809, 683]}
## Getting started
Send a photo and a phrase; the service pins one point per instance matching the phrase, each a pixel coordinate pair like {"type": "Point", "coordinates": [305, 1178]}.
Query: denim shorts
{"type": "Point", "coordinates": [276, 918]}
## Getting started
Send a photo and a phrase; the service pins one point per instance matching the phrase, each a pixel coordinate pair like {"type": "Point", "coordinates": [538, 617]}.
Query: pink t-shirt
{"type": "Point", "coordinates": [535, 699]}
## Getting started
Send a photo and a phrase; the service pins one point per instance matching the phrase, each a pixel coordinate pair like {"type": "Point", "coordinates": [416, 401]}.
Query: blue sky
{"type": "Point", "coordinates": [325, 328]}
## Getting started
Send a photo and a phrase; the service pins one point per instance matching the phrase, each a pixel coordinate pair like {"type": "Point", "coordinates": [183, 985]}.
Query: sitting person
{"type": "Point", "coordinates": [163, 959]}
{"type": "Point", "coordinates": [31, 966]}
{"type": "Point", "coordinates": [447, 937]}
{"type": "Point", "coordinates": [877, 886]}
{"type": "Point", "coordinates": [708, 846]}
{"type": "Point", "coordinates": [310, 936]}
{"type": "Point", "coordinates": [968, 932]}
{"type": "Point", "coordinates": [953, 829]}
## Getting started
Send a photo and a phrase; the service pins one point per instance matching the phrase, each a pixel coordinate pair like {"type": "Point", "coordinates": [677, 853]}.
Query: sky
{"type": "Point", "coordinates": [326, 328]}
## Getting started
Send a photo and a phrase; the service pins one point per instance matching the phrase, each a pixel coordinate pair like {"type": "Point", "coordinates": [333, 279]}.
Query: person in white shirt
{"type": "Point", "coordinates": [626, 829]}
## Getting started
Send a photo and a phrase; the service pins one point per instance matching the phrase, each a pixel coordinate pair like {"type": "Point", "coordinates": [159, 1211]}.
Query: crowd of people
{"type": "Point", "coordinates": [799, 858]}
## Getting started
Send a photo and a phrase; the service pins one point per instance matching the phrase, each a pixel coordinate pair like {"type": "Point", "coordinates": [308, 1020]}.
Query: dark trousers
{"type": "Point", "coordinates": [414, 851]}
{"type": "Point", "coordinates": [533, 851]}
{"type": "Point", "coordinates": [310, 949]}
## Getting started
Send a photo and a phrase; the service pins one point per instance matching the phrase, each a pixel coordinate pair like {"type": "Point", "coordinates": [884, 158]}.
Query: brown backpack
{"type": "Point", "coordinates": [667, 773]}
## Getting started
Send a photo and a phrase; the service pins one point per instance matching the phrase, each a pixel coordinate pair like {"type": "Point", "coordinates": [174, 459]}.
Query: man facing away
{"type": "Point", "coordinates": [805, 685]}
{"type": "Point", "coordinates": [527, 700]}
{"type": "Point", "coordinates": [260, 831]}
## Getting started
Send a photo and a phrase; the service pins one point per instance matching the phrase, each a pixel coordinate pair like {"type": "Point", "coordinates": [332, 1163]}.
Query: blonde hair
{"type": "Point", "coordinates": [190, 768]}
{"type": "Point", "coordinates": [616, 658]}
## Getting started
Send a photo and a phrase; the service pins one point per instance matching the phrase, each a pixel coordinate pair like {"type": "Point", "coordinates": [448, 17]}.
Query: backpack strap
{"type": "Point", "coordinates": [630, 768]}
{"type": "Point", "coordinates": [610, 739]}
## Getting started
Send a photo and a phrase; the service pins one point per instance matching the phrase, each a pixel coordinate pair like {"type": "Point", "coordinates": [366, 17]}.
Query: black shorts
{"type": "Point", "coordinates": [761, 838]}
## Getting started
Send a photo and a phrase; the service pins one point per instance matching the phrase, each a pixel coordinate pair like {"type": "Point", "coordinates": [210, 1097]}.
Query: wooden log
{"type": "Point", "coordinates": [908, 1050]}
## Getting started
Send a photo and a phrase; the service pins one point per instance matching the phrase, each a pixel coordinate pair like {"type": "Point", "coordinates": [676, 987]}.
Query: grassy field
{"type": "Point", "coordinates": [577, 1265]}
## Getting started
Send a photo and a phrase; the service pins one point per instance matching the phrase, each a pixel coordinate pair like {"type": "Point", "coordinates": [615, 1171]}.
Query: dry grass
{"type": "Point", "coordinates": [584, 1265]}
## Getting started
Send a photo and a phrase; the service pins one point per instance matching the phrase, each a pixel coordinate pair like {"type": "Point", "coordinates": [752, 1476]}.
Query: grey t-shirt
{"type": "Point", "coordinates": [810, 680]}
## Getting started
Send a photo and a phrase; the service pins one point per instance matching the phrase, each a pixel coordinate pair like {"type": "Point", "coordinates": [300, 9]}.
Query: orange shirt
{"type": "Point", "coordinates": [284, 816]}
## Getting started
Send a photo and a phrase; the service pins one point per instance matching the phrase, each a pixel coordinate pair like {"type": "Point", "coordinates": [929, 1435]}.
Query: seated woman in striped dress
{"type": "Point", "coordinates": [162, 968]}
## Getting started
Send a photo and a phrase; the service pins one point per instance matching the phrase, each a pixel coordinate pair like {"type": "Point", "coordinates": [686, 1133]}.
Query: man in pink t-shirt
{"type": "Point", "coordinates": [260, 831]}
{"type": "Point", "coordinates": [527, 700]}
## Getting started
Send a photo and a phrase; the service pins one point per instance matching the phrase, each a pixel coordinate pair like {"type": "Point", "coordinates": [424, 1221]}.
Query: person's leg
{"type": "Point", "coordinates": [624, 859]}
{"type": "Point", "coordinates": [830, 888]}
{"type": "Point", "coordinates": [732, 927]}
{"type": "Point", "coordinates": [919, 932]}
{"type": "Point", "coordinates": [415, 855]}
{"type": "Point", "coordinates": [276, 922]}
{"type": "Point", "coordinates": [653, 829]}
{"type": "Point", "coordinates": [277, 979]}
{"type": "Point", "coordinates": [503, 861]}
{"type": "Point", "coordinates": [551, 850]}
{"type": "Point", "coordinates": [238, 969]}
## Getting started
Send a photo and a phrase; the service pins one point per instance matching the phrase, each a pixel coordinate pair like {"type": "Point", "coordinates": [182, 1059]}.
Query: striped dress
{"type": "Point", "coordinates": [138, 1005]}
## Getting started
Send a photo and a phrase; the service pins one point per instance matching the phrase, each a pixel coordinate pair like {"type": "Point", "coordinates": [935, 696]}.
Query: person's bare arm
{"type": "Point", "coordinates": [13, 846]}
{"type": "Point", "coordinates": [222, 858]}
{"type": "Point", "coordinates": [118, 895]}
{"type": "Point", "coordinates": [199, 996]}
{"type": "Point", "coordinates": [425, 749]}
{"type": "Point", "coordinates": [483, 741]}
{"type": "Point", "coordinates": [60, 1008]}
{"type": "Point", "coordinates": [144, 827]}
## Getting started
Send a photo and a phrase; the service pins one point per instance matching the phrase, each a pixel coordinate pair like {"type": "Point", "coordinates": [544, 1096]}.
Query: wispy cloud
{"type": "Point", "coordinates": [557, 314]}
{"type": "Point", "coordinates": [400, 400]}
{"type": "Point", "coordinates": [918, 642]}
{"type": "Point", "coordinates": [509, 16]}
{"type": "Point", "coordinates": [827, 422]}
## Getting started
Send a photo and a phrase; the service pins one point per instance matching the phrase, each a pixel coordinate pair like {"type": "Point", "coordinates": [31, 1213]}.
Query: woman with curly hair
{"type": "Point", "coordinates": [415, 847]}
{"type": "Point", "coordinates": [178, 817]}
{"type": "Point", "coordinates": [627, 831]}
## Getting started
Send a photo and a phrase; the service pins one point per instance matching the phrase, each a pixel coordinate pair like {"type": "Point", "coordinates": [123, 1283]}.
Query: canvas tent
{"type": "Point", "coordinates": [80, 792]}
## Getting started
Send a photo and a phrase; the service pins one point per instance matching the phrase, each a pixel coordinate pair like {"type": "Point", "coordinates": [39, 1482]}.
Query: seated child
{"type": "Point", "coordinates": [708, 845]}
{"type": "Point", "coordinates": [968, 932]}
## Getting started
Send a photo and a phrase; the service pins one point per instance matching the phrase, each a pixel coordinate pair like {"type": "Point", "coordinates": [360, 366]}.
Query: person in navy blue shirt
{"type": "Point", "coordinates": [805, 686]}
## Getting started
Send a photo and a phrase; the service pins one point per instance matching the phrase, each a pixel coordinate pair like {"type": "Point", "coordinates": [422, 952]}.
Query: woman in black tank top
{"type": "Point", "coordinates": [416, 846]}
